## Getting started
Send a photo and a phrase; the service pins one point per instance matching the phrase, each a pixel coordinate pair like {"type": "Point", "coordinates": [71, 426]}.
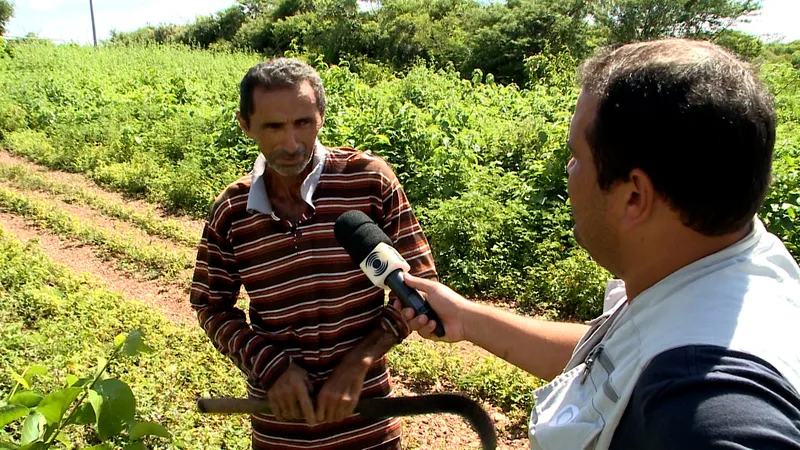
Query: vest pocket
{"type": "Point", "coordinates": [563, 416]}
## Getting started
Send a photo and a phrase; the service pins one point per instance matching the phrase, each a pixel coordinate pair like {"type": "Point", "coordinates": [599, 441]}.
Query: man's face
{"type": "Point", "coordinates": [591, 206]}
{"type": "Point", "coordinates": [285, 124]}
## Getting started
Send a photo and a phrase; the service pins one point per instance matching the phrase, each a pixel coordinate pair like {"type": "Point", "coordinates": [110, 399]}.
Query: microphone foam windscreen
{"type": "Point", "coordinates": [358, 234]}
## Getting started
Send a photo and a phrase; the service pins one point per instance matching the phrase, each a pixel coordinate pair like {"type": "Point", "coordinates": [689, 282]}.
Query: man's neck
{"type": "Point", "coordinates": [279, 186]}
{"type": "Point", "coordinates": [663, 257]}
{"type": "Point", "coordinates": [285, 194]}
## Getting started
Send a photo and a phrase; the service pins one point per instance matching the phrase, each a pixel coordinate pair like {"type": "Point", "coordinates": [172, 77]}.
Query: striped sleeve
{"type": "Point", "coordinates": [402, 227]}
{"type": "Point", "coordinates": [215, 288]}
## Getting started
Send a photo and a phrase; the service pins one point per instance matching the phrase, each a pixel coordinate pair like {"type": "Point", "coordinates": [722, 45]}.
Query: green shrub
{"type": "Point", "coordinates": [134, 177]}
{"type": "Point", "coordinates": [12, 117]}
{"type": "Point", "coordinates": [573, 288]}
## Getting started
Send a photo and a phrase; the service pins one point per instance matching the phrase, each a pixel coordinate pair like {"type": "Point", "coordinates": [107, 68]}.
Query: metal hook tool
{"type": "Point", "coordinates": [378, 408]}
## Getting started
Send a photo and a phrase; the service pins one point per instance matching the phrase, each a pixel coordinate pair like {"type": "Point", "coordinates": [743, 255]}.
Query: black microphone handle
{"type": "Point", "coordinates": [410, 298]}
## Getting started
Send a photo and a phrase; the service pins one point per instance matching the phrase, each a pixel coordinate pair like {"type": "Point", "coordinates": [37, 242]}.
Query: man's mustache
{"type": "Point", "coordinates": [283, 153]}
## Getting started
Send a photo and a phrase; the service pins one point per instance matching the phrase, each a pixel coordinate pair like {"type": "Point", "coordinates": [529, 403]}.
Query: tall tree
{"type": "Point", "coordinates": [6, 12]}
{"type": "Point", "coordinates": [638, 20]}
{"type": "Point", "coordinates": [515, 30]}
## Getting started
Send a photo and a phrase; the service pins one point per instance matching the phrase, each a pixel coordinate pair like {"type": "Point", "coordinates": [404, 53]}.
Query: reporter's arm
{"type": "Point", "coordinates": [539, 347]}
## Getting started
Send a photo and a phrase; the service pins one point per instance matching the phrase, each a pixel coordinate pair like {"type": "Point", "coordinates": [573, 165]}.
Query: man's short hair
{"type": "Point", "coordinates": [697, 120]}
{"type": "Point", "coordinates": [279, 73]}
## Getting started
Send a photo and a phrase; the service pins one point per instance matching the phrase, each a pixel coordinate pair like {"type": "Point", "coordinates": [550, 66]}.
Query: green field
{"type": "Point", "coordinates": [482, 163]}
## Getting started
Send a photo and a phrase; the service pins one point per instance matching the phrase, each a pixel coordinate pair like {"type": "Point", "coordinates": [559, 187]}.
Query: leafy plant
{"type": "Point", "coordinates": [88, 314]}
{"type": "Point", "coordinates": [107, 403]}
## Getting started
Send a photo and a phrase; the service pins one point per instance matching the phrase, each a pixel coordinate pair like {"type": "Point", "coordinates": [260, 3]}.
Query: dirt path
{"type": "Point", "coordinates": [170, 299]}
{"type": "Point", "coordinates": [192, 225]}
{"type": "Point", "coordinates": [89, 215]}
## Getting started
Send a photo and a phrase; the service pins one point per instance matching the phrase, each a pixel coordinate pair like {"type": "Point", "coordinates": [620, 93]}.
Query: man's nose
{"type": "Point", "coordinates": [290, 139]}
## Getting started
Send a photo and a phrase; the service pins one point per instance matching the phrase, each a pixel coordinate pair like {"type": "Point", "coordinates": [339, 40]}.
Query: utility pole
{"type": "Point", "coordinates": [94, 30]}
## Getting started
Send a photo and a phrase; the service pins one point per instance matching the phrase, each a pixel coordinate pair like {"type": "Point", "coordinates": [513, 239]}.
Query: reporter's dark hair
{"type": "Point", "coordinates": [697, 120]}
{"type": "Point", "coordinates": [279, 73]}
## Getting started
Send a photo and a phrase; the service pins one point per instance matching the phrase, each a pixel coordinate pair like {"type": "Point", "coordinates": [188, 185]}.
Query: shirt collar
{"type": "Point", "coordinates": [758, 235]}
{"type": "Point", "coordinates": [258, 200]}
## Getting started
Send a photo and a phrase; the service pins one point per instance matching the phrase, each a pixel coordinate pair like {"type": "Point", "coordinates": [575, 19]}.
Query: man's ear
{"type": "Point", "coordinates": [641, 197]}
{"type": "Point", "coordinates": [243, 124]}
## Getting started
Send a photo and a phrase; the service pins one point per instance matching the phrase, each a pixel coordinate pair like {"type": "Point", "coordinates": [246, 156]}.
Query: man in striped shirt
{"type": "Point", "coordinates": [318, 330]}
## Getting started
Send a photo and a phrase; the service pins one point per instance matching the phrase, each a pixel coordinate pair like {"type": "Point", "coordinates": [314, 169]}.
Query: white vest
{"type": "Point", "coordinates": [745, 298]}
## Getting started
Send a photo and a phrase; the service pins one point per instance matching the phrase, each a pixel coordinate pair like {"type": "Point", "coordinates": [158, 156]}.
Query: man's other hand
{"type": "Point", "coordinates": [289, 397]}
{"type": "Point", "coordinates": [449, 306]}
{"type": "Point", "coordinates": [339, 395]}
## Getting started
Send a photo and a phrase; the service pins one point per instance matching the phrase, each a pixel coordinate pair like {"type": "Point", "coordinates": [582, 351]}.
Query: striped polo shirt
{"type": "Point", "coordinates": [309, 302]}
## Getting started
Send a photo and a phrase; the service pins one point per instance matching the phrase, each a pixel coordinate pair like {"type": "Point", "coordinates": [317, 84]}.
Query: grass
{"type": "Point", "coordinates": [149, 259]}
{"type": "Point", "coordinates": [64, 321]}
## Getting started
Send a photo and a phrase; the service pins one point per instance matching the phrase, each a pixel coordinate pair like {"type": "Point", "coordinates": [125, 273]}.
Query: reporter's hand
{"type": "Point", "coordinates": [289, 399]}
{"type": "Point", "coordinates": [449, 306]}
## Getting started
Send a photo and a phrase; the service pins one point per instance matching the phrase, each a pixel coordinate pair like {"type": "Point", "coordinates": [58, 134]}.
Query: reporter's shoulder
{"type": "Point", "coordinates": [694, 395]}
{"type": "Point", "coordinates": [710, 364]}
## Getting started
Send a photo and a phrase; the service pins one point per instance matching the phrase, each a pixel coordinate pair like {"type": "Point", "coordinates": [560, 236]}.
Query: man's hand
{"type": "Point", "coordinates": [289, 399]}
{"type": "Point", "coordinates": [339, 395]}
{"type": "Point", "coordinates": [450, 307]}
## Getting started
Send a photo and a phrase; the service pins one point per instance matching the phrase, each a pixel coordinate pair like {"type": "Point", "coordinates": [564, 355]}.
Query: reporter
{"type": "Point", "coordinates": [671, 146]}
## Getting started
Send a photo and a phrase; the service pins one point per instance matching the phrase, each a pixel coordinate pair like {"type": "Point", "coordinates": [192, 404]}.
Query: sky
{"type": "Point", "coordinates": [70, 21]}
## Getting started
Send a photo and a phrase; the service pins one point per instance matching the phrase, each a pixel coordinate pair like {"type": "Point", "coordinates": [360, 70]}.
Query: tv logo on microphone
{"type": "Point", "coordinates": [377, 265]}
{"type": "Point", "coordinates": [382, 261]}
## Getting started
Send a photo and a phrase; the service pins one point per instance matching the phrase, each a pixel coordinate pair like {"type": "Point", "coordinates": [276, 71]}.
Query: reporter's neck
{"type": "Point", "coordinates": [671, 251]}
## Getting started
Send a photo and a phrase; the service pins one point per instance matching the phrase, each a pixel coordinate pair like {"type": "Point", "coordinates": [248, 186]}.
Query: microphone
{"type": "Point", "coordinates": [370, 248]}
